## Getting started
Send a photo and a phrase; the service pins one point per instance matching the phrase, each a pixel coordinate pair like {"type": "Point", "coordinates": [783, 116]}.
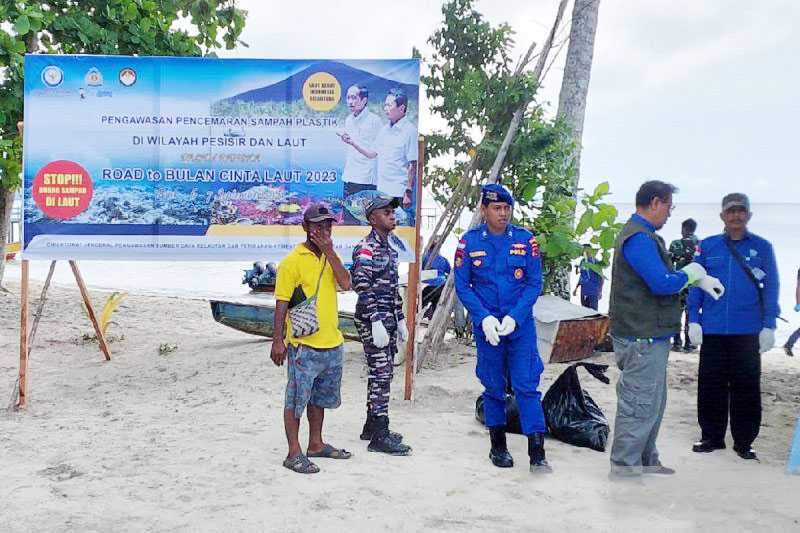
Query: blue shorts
{"type": "Point", "coordinates": [315, 377]}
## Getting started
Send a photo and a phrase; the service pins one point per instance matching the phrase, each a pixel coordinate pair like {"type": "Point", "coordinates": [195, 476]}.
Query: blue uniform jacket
{"type": "Point", "coordinates": [590, 282]}
{"type": "Point", "coordinates": [738, 311]}
{"type": "Point", "coordinates": [442, 266]}
{"type": "Point", "coordinates": [499, 275]}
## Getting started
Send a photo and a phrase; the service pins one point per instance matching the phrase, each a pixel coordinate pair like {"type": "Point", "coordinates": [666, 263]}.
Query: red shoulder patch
{"type": "Point", "coordinates": [534, 247]}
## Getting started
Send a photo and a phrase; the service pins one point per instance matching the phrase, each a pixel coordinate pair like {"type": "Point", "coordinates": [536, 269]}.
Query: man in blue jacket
{"type": "Point", "coordinates": [645, 313]}
{"type": "Point", "coordinates": [590, 282]}
{"type": "Point", "coordinates": [498, 272]}
{"type": "Point", "coordinates": [433, 287]}
{"type": "Point", "coordinates": [733, 330]}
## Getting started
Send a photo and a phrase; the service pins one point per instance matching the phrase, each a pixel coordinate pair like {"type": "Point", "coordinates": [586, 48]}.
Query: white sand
{"type": "Point", "coordinates": [193, 441]}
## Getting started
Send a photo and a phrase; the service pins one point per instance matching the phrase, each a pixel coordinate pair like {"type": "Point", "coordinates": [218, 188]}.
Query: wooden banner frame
{"type": "Point", "coordinates": [26, 340]}
{"type": "Point", "coordinates": [413, 281]}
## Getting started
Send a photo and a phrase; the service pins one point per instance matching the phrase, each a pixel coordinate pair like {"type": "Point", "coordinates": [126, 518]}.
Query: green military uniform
{"type": "Point", "coordinates": [683, 251]}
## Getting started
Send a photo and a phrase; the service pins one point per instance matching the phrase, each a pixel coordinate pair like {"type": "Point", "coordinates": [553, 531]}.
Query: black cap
{"type": "Point", "coordinates": [379, 202]}
{"type": "Point", "coordinates": [318, 213]}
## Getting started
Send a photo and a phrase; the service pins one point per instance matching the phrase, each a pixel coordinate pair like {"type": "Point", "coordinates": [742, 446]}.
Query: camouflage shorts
{"type": "Point", "coordinates": [315, 377]}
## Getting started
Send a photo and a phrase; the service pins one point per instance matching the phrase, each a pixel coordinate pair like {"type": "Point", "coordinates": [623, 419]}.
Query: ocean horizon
{"type": "Point", "coordinates": [221, 280]}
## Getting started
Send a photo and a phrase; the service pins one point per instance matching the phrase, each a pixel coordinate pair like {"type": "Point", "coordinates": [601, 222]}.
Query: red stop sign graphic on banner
{"type": "Point", "coordinates": [62, 189]}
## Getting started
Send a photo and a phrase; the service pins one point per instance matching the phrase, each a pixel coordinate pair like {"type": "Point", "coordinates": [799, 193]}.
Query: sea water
{"type": "Point", "coordinates": [220, 280]}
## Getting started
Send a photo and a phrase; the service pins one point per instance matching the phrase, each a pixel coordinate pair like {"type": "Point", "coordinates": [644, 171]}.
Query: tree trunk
{"type": "Point", "coordinates": [572, 104]}
{"type": "Point", "coordinates": [6, 202]}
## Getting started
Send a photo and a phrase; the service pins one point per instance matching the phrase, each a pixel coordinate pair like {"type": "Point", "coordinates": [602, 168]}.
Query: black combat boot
{"type": "Point", "coordinates": [536, 452]}
{"type": "Point", "coordinates": [383, 442]}
{"type": "Point", "coordinates": [369, 425]}
{"type": "Point", "coordinates": [499, 452]}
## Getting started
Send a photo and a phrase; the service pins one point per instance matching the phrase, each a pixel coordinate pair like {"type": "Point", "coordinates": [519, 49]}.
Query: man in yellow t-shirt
{"type": "Point", "coordinates": [314, 366]}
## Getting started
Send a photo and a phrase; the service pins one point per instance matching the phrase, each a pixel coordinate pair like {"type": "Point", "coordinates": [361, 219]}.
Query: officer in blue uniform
{"type": "Point", "coordinates": [498, 272]}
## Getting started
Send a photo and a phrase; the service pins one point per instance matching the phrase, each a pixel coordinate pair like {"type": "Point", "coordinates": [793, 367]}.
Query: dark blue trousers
{"type": "Point", "coordinates": [517, 357]}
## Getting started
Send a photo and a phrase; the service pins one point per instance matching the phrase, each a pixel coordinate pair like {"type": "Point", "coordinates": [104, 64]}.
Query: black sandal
{"type": "Point", "coordinates": [330, 452]}
{"type": "Point", "coordinates": [301, 465]}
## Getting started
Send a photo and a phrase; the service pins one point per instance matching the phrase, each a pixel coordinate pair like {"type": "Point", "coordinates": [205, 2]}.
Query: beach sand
{"type": "Point", "coordinates": [192, 440]}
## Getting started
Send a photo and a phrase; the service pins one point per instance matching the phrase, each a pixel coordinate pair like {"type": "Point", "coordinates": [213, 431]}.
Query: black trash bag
{"type": "Point", "coordinates": [512, 413]}
{"type": "Point", "coordinates": [572, 416]}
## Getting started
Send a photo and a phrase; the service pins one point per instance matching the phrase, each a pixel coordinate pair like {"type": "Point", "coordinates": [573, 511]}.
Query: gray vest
{"type": "Point", "coordinates": [634, 310]}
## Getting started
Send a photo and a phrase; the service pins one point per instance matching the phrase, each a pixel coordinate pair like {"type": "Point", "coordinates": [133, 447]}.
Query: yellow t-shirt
{"type": "Point", "coordinates": [301, 268]}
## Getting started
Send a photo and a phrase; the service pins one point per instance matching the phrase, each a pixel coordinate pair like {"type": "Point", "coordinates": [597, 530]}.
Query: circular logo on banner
{"type": "Point", "coordinates": [518, 273]}
{"type": "Point", "coordinates": [127, 77]}
{"type": "Point", "coordinates": [52, 76]}
{"type": "Point", "coordinates": [62, 189]}
{"type": "Point", "coordinates": [322, 91]}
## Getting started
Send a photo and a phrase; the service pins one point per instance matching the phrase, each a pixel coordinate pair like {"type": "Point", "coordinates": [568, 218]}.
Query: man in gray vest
{"type": "Point", "coordinates": [645, 314]}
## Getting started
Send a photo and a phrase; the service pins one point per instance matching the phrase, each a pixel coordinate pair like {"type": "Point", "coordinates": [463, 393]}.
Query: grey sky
{"type": "Point", "coordinates": [700, 93]}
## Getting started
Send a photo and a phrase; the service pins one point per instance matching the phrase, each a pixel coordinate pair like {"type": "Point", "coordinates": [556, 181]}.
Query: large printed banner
{"type": "Point", "coordinates": [163, 158]}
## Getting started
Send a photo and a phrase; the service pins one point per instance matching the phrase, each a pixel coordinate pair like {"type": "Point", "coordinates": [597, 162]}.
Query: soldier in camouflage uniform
{"type": "Point", "coordinates": [380, 321]}
{"type": "Point", "coordinates": [683, 252]}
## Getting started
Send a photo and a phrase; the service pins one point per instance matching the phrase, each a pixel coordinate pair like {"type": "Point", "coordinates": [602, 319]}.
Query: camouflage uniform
{"type": "Point", "coordinates": [375, 279]}
{"type": "Point", "coordinates": [683, 251]}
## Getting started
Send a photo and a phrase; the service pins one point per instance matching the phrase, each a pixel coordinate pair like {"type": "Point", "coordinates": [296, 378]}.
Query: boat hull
{"type": "Point", "coordinates": [258, 319]}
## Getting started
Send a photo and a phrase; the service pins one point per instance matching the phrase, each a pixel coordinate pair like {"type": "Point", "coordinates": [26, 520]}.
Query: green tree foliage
{"type": "Point", "coordinates": [126, 27]}
{"type": "Point", "coordinates": [472, 89]}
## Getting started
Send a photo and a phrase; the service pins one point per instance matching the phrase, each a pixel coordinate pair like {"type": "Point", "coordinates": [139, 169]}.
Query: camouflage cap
{"type": "Point", "coordinates": [379, 202]}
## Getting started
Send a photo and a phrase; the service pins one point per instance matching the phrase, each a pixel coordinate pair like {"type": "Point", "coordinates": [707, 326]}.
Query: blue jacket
{"type": "Point", "coordinates": [499, 275]}
{"type": "Point", "coordinates": [441, 265]}
{"type": "Point", "coordinates": [590, 282]}
{"type": "Point", "coordinates": [738, 311]}
{"type": "Point", "coordinates": [642, 254]}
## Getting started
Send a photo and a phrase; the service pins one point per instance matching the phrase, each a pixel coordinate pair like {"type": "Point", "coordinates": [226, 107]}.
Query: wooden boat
{"type": "Point", "coordinates": [257, 319]}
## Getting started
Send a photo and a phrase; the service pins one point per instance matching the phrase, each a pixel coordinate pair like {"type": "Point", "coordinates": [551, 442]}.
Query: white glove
{"type": "Point", "coordinates": [695, 333]}
{"type": "Point", "coordinates": [380, 337]}
{"type": "Point", "coordinates": [712, 286]}
{"type": "Point", "coordinates": [490, 325]}
{"type": "Point", "coordinates": [507, 327]}
{"type": "Point", "coordinates": [695, 272]}
{"type": "Point", "coordinates": [766, 340]}
{"type": "Point", "coordinates": [402, 331]}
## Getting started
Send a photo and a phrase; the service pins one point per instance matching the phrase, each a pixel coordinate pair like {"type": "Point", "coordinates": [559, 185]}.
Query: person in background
{"type": "Point", "coordinates": [734, 330]}
{"type": "Point", "coordinates": [314, 366]}
{"type": "Point", "coordinates": [645, 313]}
{"type": "Point", "coordinates": [590, 282]}
{"type": "Point", "coordinates": [433, 287]}
{"type": "Point", "coordinates": [683, 252]}
{"type": "Point", "coordinates": [498, 270]}
{"type": "Point", "coordinates": [796, 335]}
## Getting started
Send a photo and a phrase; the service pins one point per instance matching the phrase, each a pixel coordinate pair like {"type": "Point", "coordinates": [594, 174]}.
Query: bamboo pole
{"type": "Point", "coordinates": [413, 281]}
{"type": "Point", "coordinates": [23, 337]}
{"type": "Point", "coordinates": [90, 310]}
{"type": "Point", "coordinates": [40, 307]}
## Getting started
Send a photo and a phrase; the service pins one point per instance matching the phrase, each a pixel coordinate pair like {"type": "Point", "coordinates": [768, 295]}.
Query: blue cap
{"type": "Point", "coordinates": [494, 192]}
